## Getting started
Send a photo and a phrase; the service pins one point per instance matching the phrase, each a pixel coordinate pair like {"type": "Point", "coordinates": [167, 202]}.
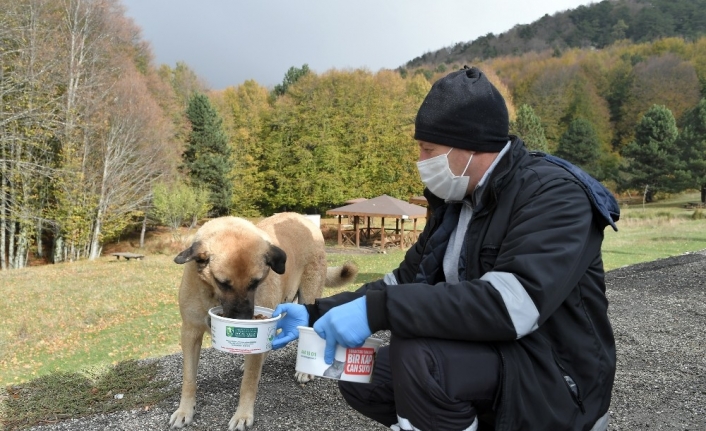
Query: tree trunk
{"type": "Point", "coordinates": [644, 196]}
{"type": "Point", "coordinates": [12, 227]}
{"type": "Point", "coordinates": [3, 175]}
{"type": "Point", "coordinates": [58, 249]}
{"type": "Point", "coordinates": [22, 247]}
{"type": "Point", "coordinates": [142, 232]}
{"type": "Point", "coordinates": [40, 246]}
{"type": "Point", "coordinates": [3, 208]}
{"type": "Point", "coordinates": [94, 247]}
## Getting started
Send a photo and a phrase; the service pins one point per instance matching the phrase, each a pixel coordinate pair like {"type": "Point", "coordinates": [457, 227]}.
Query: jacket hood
{"type": "Point", "coordinates": [601, 198]}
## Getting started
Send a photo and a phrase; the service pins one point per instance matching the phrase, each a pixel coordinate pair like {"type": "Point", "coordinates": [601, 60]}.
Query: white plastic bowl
{"type": "Point", "coordinates": [353, 364]}
{"type": "Point", "coordinates": [243, 336]}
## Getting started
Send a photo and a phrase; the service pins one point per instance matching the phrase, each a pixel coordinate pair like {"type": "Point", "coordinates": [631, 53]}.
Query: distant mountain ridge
{"type": "Point", "coordinates": [594, 26]}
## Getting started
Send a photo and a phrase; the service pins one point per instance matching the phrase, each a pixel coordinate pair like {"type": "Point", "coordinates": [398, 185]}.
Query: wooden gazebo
{"type": "Point", "coordinates": [383, 207]}
{"type": "Point", "coordinates": [421, 201]}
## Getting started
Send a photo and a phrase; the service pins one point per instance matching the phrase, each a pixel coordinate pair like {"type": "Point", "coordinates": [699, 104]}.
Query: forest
{"type": "Point", "coordinates": [97, 140]}
{"type": "Point", "coordinates": [597, 25]}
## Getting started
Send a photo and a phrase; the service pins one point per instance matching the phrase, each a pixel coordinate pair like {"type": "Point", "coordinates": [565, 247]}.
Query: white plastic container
{"type": "Point", "coordinates": [243, 336]}
{"type": "Point", "coordinates": [353, 364]}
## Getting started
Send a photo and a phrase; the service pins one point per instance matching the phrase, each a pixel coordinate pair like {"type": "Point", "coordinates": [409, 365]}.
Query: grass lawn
{"type": "Point", "coordinates": [656, 231]}
{"type": "Point", "coordinates": [72, 316]}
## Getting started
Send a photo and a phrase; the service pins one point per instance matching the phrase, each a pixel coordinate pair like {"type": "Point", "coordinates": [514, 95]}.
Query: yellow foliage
{"type": "Point", "coordinates": [503, 89]}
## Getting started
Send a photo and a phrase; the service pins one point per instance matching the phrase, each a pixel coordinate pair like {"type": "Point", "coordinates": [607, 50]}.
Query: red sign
{"type": "Point", "coordinates": [359, 360]}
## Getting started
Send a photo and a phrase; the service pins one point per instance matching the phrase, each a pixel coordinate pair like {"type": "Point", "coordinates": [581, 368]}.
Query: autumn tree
{"type": "Point", "coordinates": [25, 128]}
{"type": "Point", "coordinates": [208, 157]}
{"type": "Point", "coordinates": [654, 160]}
{"type": "Point", "coordinates": [548, 93]}
{"type": "Point", "coordinates": [80, 135]}
{"type": "Point", "coordinates": [128, 155]}
{"type": "Point", "coordinates": [341, 135]}
{"type": "Point", "coordinates": [585, 101]}
{"type": "Point", "coordinates": [528, 126]}
{"type": "Point", "coordinates": [503, 90]}
{"type": "Point", "coordinates": [183, 83]}
{"type": "Point", "coordinates": [112, 140]}
{"type": "Point", "coordinates": [93, 44]}
{"type": "Point", "coordinates": [176, 204]}
{"type": "Point", "coordinates": [244, 110]}
{"type": "Point", "coordinates": [664, 80]}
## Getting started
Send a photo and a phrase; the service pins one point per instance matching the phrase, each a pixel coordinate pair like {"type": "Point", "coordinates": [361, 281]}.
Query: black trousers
{"type": "Point", "coordinates": [434, 384]}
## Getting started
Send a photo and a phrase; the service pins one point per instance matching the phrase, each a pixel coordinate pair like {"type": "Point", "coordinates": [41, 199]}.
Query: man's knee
{"type": "Point", "coordinates": [410, 357]}
{"type": "Point", "coordinates": [375, 402]}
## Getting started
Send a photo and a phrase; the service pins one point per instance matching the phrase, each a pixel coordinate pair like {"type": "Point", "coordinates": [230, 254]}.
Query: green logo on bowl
{"type": "Point", "coordinates": [235, 332]}
{"type": "Point", "coordinates": [308, 354]}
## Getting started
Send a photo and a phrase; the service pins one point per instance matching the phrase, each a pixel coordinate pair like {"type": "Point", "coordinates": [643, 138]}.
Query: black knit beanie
{"type": "Point", "coordinates": [464, 110]}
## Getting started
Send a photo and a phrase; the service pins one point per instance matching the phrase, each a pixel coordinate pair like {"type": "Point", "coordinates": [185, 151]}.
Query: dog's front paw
{"type": "Point", "coordinates": [303, 377]}
{"type": "Point", "coordinates": [181, 417]}
{"type": "Point", "coordinates": [240, 421]}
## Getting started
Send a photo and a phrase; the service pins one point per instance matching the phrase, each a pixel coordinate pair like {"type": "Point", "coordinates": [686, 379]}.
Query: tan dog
{"type": "Point", "coordinates": [237, 264]}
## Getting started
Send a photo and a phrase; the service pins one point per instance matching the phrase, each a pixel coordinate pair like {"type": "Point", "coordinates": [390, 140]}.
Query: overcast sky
{"type": "Point", "coordinates": [229, 41]}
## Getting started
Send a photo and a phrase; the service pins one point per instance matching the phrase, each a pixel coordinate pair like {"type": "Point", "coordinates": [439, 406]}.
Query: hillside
{"type": "Point", "coordinates": [595, 26]}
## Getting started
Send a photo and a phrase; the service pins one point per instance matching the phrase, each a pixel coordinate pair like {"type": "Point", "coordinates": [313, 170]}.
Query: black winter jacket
{"type": "Point", "coordinates": [533, 288]}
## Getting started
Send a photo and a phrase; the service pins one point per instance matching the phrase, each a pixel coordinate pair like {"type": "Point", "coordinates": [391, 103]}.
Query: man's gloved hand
{"type": "Point", "coordinates": [295, 315]}
{"type": "Point", "coordinates": [346, 325]}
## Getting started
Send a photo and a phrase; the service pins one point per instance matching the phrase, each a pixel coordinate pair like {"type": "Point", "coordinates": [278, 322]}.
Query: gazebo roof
{"type": "Point", "coordinates": [355, 201]}
{"type": "Point", "coordinates": [381, 206]}
{"type": "Point", "coordinates": [421, 200]}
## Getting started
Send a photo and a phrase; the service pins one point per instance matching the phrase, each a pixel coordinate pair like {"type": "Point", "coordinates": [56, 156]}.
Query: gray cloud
{"type": "Point", "coordinates": [228, 41]}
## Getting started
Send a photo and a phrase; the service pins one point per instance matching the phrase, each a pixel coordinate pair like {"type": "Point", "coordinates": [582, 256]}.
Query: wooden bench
{"type": "Point", "coordinates": [128, 256]}
{"type": "Point", "coordinates": [391, 240]}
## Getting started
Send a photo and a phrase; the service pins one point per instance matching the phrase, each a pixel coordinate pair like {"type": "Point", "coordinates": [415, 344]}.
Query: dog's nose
{"type": "Point", "coordinates": [238, 312]}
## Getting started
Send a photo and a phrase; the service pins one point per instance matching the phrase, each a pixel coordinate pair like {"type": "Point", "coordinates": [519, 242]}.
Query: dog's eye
{"type": "Point", "coordinates": [254, 283]}
{"type": "Point", "coordinates": [224, 285]}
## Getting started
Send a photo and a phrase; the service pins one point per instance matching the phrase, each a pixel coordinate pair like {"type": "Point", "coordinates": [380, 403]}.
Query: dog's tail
{"type": "Point", "coordinates": [341, 275]}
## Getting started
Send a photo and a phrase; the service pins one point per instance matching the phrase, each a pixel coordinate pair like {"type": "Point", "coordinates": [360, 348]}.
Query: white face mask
{"type": "Point", "coordinates": [437, 176]}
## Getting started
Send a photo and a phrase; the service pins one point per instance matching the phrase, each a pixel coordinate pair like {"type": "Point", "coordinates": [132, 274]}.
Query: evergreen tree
{"type": "Point", "coordinates": [580, 145]}
{"type": "Point", "coordinates": [528, 126]}
{"type": "Point", "coordinates": [293, 75]}
{"type": "Point", "coordinates": [208, 157]}
{"type": "Point", "coordinates": [654, 162]}
{"type": "Point", "coordinates": [692, 144]}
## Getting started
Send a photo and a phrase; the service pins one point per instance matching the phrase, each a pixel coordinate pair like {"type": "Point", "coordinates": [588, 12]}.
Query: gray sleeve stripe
{"type": "Point", "coordinates": [390, 279]}
{"type": "Point", "coordinates": [523, 312]}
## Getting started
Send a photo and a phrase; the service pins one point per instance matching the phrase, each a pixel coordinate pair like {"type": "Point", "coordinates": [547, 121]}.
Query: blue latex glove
{"type": "Point", "coordinates": [295, 315]}
{"type": "Point", "coordinates": [346, 325]}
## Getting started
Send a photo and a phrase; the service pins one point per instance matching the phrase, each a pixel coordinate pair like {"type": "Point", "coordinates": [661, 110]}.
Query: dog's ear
{"type": "Point", "coordinates": [276, 258]}
{"type": "Point", "coordinates": [192, 253]}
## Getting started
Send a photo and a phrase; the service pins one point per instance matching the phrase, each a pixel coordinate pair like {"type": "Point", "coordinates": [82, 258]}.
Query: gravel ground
{"type": "Point", "coordinates": [658, 310]}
